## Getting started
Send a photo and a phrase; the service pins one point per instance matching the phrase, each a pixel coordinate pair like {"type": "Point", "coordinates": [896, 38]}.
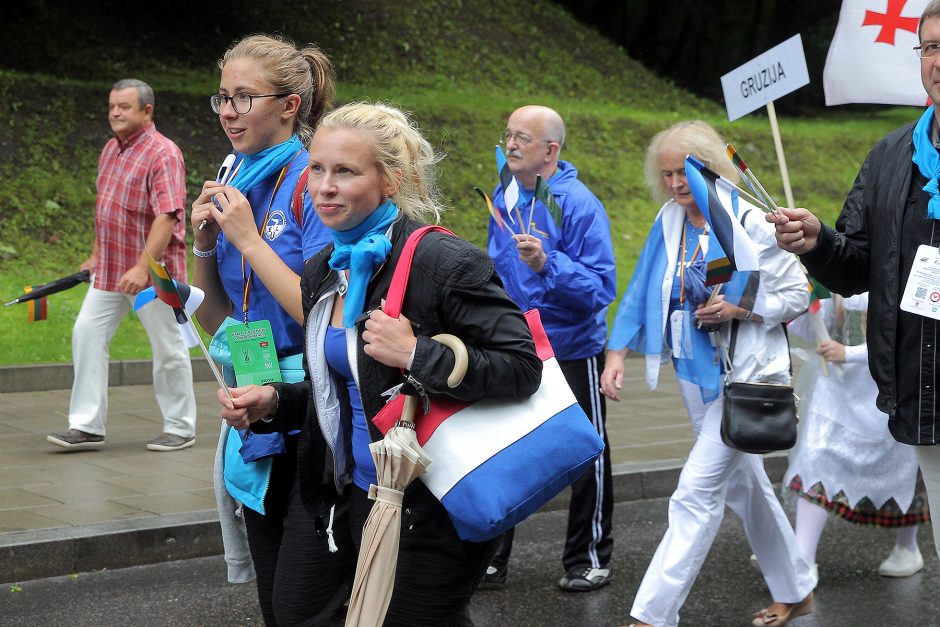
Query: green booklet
{"type": "Point", "coordinates": [254, 356]}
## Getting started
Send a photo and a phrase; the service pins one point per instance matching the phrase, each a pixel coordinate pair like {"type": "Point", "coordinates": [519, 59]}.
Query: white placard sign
{"type": "Point", "coordinates": [765, 78]}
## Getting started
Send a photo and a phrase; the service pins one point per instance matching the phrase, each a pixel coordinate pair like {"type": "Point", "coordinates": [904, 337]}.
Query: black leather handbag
{"type": "Point", "coordinates": [758, 417]}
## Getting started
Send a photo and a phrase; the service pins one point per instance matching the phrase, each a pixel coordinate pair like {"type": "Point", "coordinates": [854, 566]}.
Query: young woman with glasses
{"type": "Point", "coordinates": [253, 229]}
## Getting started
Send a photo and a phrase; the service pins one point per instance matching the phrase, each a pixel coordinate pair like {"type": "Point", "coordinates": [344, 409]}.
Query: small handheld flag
{"type": "Point", "coordinates": [36, 309]}
{"type": "Point", "coordinates": [508, 181]}
{"type": "Point", "coordinates": [184, 305]}
{"type": "Point", "coordinates": [543, 193]}
{"type": "Point", "coordinates": [498, 219]}
{"type": "Point", "coordinates": [817, 291]}
{"type": "Point", "coordinates": [717, 199]}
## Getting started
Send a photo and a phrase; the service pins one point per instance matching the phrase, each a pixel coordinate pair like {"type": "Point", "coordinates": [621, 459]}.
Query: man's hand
{"type": "Point", "coordinates": [134, 280]}
{"type": "Point", "coordinates": [797, 230]}
{"type": "Point", "coordinates": [90, 264]}
{"type": "Point", "coordinates": [531, 251]}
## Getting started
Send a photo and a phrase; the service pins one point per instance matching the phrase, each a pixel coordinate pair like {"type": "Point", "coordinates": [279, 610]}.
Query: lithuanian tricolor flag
{"type": "Point", "coordinates": [36, 309]}
{"type": "Point", "coordinates": [817, 291]}
{"type": "Point", "coordinates": [163, 283]}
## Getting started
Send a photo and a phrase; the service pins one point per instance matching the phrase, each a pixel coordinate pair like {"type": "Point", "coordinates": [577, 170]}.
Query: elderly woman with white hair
{"type": "Point", "coordinates": [657, 317]}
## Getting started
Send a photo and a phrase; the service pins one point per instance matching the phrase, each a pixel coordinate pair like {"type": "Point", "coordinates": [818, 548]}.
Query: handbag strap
{"type": "Point", "coordinates": [734, 339]}
{"type": "Point", "coordinates": [396, 291]}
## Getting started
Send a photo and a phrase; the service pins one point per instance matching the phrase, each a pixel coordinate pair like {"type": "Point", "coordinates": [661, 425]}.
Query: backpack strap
{"type": "Point", "coordinates": [297, 200]}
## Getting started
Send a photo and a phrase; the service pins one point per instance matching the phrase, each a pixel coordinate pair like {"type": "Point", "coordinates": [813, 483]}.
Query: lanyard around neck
{"type": "Point", "coordinates": [248, 273]}
{"type": "Point", "coordinates": [683, 264]}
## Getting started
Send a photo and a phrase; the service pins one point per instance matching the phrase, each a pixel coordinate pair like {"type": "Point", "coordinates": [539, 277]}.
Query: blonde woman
{"type": "Point", "coordinates": [372, 181]}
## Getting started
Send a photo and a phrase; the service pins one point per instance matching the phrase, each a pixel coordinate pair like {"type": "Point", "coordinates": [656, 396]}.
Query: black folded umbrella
{"type": "Point", "coordinates": [52, 287]}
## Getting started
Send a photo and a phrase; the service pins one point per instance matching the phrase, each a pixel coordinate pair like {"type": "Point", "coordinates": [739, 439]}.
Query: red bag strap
{"type": "Point", "coordinates": [297, 202]}
{"type": "Point", "coordinates": [396, 291]}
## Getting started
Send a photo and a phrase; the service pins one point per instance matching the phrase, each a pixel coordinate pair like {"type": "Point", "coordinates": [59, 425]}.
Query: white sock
{"type": "Point", "coordinates": [907, 537]}
{"type": "Point", "coordinates": [810, 522]}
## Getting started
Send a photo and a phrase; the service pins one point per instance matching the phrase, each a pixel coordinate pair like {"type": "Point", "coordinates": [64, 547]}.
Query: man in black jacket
{"type": "Point", "coordinates": [887, 225]}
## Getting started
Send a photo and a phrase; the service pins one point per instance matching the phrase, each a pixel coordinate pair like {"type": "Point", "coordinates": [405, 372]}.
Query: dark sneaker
{"type": "Point", "coordinates": [170, 442]}
{"type": "Point", "coordinates": [76, 440]}
{"type": "Point", "coordinates": [584, 579]}
{"type": "Point", "coordinates": [494, 578]}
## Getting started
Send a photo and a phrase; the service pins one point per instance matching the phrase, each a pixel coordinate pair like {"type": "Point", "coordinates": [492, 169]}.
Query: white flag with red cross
{"type": "Point", "coordinates": [872, 57]}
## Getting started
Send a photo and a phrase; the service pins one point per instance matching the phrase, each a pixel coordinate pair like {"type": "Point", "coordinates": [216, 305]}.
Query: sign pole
{"type": "Point", "coordinates": [781, 159]}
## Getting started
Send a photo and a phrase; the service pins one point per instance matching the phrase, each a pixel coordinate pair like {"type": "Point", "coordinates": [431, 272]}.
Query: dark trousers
{"type": "Point", "coordinates": [294, 568]}
{"type": "Point", "coordinates": [588, 541]}
{"type": "Point", "coordinates": [437, 572]}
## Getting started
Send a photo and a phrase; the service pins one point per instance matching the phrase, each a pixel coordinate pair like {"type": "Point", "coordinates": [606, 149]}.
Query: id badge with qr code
{"type": "Point", "coordinates": [922, 291]}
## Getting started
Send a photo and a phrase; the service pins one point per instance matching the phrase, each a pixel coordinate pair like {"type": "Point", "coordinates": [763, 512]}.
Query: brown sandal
{"type": "Point", "coordinates": [766, 618]}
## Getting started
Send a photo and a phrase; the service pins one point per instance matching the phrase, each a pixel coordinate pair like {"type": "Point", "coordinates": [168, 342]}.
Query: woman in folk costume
{"type": "Point", "coordinates": [251, 238]}
{"type": "Point", "coordinates": [372, 181]}
{"type": "Point", "coordinates": [845, 460]}
{"type": "Point", "coordinates": [658, 317]}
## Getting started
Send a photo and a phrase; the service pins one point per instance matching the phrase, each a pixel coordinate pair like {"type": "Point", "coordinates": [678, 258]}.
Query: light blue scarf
{"type": "Point", "coordinates": [259, 166]}
{"type": "Point", "coordinates": [928, 161]}
{"type": "Point", "coordinates": [361, 250]}
{"type": "Point", "coordinates": [639, 324]}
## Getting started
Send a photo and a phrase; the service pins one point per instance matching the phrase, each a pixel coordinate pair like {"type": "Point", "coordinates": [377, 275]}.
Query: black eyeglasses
{"type": "Point", "coordinates": [241, 102]}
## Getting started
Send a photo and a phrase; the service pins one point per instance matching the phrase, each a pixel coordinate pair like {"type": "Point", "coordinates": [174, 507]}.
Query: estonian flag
{"type": "Point", "coordinates": [717, 199]}
{"type": "Point", "coordinates": [508, 182]}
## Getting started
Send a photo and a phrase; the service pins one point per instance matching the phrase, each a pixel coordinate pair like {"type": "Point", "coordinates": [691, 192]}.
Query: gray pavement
{"type": "Point", "coordinates": [727, 591]}
{"type": "Point", "coordinates": [67, 512]}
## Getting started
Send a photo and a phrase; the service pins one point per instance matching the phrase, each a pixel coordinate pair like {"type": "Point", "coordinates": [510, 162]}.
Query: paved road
{"type": "Point", "coordinates": [851, 593]}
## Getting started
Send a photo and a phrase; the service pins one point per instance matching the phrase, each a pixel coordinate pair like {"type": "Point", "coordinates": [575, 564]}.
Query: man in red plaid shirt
{"type": "Point", "coordinates": [141, 190]}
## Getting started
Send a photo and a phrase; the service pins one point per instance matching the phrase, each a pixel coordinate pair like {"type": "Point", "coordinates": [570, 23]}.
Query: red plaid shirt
{"type": "Point", "coordinates": [137, 181]}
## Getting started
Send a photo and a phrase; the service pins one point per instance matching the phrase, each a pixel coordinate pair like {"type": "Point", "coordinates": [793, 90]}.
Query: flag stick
{"type": "Point", "coordinates": [751, 179]}
{"type": "Point", "coordinates": [212, 366]}
{"type": "Point", "coordinates": [752, 198]}
{"type": "Point", "coordinates": [535, 193]}
{"type": "Point", "coordinates": [758, 189]}
{"type": "Point", "coordinates": [521, 223]}
{"type": "Point", "coordinates": [781, 159]}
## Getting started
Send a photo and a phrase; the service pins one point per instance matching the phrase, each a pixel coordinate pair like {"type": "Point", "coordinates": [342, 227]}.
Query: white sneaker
{"type": "Point", "coordinates": [901, 562]}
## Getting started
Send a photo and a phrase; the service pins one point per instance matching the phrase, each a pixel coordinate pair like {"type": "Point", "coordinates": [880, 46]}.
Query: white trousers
{"type": "Point", "coordinates": [714, 476]}
{"type": "Point", "coordinates": [928, 458]}
{"type": "Point", "coordinates": [98, 319]}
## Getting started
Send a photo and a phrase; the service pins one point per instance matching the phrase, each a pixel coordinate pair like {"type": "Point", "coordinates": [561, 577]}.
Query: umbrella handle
{"type": "Point", "coordinates": [461, 358]}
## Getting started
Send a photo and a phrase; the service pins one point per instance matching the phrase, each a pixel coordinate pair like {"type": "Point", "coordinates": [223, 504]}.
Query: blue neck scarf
{"type": "Point", "coordinates": [259, 166]}
{"type": "Point", "coordinates": [928, 161]}
{"type": "Point", "coordinates": [361, 250]}
{"type": "Point", "coordinates": [640, 324]}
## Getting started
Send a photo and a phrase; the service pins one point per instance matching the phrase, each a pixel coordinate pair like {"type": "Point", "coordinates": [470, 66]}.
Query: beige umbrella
{"type": "Point", "coordinates": [399, 460]}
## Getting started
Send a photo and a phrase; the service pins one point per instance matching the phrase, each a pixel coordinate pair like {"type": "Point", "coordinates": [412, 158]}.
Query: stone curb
{"type": "Point", "coordinates": [56, 552]}
{"type": "Point", "coordinates": [58, 376]}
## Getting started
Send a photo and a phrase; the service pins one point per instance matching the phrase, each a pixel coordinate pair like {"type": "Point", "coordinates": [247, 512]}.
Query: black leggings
{"type": "Point", "coordinates": [294, 568]}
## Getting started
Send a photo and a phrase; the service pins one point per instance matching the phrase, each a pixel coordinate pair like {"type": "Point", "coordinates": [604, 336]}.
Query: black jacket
{"type": "Point", "coordinates": [453, 288]}
{"type": "Point", "coordinates": [862, 254]}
